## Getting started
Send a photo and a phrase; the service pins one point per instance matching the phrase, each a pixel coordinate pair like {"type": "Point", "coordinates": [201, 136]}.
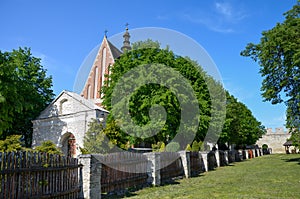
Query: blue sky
{"type": "Point", "coordinates": [63, 33]}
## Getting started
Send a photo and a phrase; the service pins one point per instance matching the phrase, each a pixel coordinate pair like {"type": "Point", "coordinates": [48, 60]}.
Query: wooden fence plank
{"type": "Point", "coordinates": [37, 175]}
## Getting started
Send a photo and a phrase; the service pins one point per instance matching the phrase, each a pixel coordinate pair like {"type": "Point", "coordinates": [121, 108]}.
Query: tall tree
{"type": "Point", "coordinates": [241, 127]}
{"type": "Point", "coordinates": [149, 95]}
{"type": "Point", "coordinates": [25, 90]}
{"type": "Point", "coordinates": [278, 54]}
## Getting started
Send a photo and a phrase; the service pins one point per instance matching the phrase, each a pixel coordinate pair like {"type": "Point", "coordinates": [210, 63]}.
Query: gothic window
{"type": "Point", "coordinates": [89, 92]}
{"type": "Point", "coordinates": [103, 65]}
{"type": "Point", "coordinates": [96, 82]}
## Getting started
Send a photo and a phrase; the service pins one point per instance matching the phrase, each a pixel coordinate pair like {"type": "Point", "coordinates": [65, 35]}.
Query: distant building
{"type": "Point", "coordinates": [65, 120]}
{"type": "Point", "coordinates": [275, 140]}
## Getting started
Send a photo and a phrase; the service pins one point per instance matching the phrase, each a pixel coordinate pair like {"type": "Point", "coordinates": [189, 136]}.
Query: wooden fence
{"type": "Point", "coordinates": [122, 170]}
{"type": "Point", "coordinates": [36, 175]}
{"type": "Point", "coordinates": [171, 166]}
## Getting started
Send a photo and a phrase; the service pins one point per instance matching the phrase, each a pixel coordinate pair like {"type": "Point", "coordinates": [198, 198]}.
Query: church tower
{"type": "Point", "coordinates": [105, 58]}
{"type": "Point", "coordinates": [126, 43]}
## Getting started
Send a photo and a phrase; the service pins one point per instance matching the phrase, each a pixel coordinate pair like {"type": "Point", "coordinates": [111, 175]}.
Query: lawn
{"type": "Point", "coordinates": [272, 176]}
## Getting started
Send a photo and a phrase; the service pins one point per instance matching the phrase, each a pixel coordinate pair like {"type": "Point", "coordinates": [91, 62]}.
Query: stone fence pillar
{"type": "Point", "coordinates": [186, 162]}
{"type": "Point", "coordinates": [246, 154]}
{"type": "Point", "coordinates": [254, 153]}
{"type": "Point", "coordinates": [153, 168]}
{"type": "Point", "coordinates": [91, 177]}
{"type": "Point", "coordinates": [217, 155]}
{"type": "Point", "coordinates": [204, 158]}
{"type": "Point", "coordinates": [226, 157]}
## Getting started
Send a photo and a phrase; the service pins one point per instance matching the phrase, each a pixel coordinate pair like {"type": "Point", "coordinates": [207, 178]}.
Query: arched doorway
{"type": "Point", "coordinates": [68, 143]}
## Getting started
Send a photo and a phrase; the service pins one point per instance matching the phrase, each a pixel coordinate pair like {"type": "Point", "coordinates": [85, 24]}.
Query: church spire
{"type": "Point", "coordinates": [126, 43]}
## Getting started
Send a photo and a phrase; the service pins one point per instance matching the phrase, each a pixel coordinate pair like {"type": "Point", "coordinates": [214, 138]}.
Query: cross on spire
{"type": "Point", "coordinates": [127, 24]}
{"type": "Point", "coordinates": [105, 32]}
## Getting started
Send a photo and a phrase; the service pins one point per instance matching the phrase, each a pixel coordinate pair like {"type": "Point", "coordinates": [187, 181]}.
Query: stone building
{"type": "Point", "coordinates": [274, 140]}
{"type": "Point", "coordinates": [65, 120]}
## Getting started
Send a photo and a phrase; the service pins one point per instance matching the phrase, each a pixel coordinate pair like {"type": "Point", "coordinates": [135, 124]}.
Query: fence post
{"type": "Point", "coordinates": [246, 154]}
{"type": "Point", "coordinates": [204, 158]}
{"type": "Point", "coordinates": [226, 157]}
{"type": "Point", "coordinates": [153, 168]}
{"type": "Point", "coordinates": [253, 151]}
{"type": "Point", "coordinates": [186, 162]}
{"type": "Point", "coordinates": [91, 176]}
{"type": "Point", "coordinates": [217, 155]}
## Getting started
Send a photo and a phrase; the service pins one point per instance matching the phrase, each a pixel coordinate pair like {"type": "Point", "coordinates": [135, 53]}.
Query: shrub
{"type": "Point", "coordinates": [195, 146]}
{"type": "Point", "coordinates": [11, 143]}
{"type": "Point", "coordinates": [48, 147]}
{"type": "Point", "coordinates": [188, 147]}
{"type": "Point", "coordinates": [173, 147]}
{"type": "Point", "coordinates": [162, 147]}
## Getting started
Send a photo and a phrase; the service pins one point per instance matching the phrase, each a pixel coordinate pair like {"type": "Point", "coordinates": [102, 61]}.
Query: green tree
{"type": "Point", "coordinates": [278, 55]}
{"type": "Point", "coordinates": [151, 94]}
{"type": "Point", "coordinates": [241, 127]}
{"type": "Point", "coordinates": [25, 91]}
{"type": "Point", "coordinates": [48, 147]}
{"type": "Point", "coordinates": [95, 140]}
{"type": "Point", "coordinates": [149, 43]}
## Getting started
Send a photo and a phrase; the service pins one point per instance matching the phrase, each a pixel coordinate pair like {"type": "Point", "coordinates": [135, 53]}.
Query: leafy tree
{"type": "Point", "coordinates": [241, 127]}
{"type": "Point", "coordinates": [278, 54]}
{"type": "Point", "coordinates": [25, 91]}
{"type": "Point", "coordinates": [149, 43]}
{"type": "Point", "coordinates": [48, 147]}
{"type": "Point", "coordinates": [11, 143]}
{"type": "Point", "coordinates": [95, 140]}
{"type": "Point", "coordinates": [149, 95]}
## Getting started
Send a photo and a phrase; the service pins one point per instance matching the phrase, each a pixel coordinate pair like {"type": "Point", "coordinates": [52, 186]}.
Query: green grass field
{"type": "Point", "coordinates": [272, 176]}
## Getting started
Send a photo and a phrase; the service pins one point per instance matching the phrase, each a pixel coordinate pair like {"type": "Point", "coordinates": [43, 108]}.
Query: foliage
{"type": "Point", "coordinates": [157, 146]}
{"type": "Point", "coordinates": [278, 54]}
{"type": "Point", "coordinates": [11, 143]}
{"type": "Point", "coordinates": [162, 147]}
{"type": "Point", "coordinates": [195, 146]}
{"type": "Point", "coordinates": [241, 127]}
{"type": "Point", "coordinates": [25, 91]}
{"type": "Point", "coordinates": [173, 147]}
{"type": "Point", "coordinates": [145, 44]}
{"type": "Point", "coordinates": [188, 148]}
{"type": "Point", "coordinates": [152, 94]}
{"type": "Point", "coordinates": [95, 140]}
{"type": "Point", "coordinates": [295, 138]}
{"type": "Point", "coordinates": [264, 146]}
{"type": "Point", "coordinates": [48, 147]}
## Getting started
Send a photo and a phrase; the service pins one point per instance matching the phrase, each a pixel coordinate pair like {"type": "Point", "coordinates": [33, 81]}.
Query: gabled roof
{"type": "Point", "coordinates": [82, 100]}
{"type": "Point", "coordinates": [114, 50]}
{"type": "Point", "coordinates": [86, 103]}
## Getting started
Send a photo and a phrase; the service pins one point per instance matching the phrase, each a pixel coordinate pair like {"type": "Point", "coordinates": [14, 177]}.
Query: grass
{"type": "Point", "coordinates": [272, 176]}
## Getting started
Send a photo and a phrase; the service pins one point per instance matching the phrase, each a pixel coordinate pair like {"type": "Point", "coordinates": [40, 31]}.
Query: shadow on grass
{"type": "Point", "coordinates": [292, 160]}
{"type": "Point", "coordinates": [131, 191]}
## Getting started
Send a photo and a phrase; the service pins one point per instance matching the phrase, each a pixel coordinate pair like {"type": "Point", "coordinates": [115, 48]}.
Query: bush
{"type": "Point", "coordinates": [195, 146]}
{"type": "Point", "coordinates": [162, 147]}
{"type": "Point", "coordinates": [48, 147]}
{"type": "Point", "coordinates": [11, 143]}
{"type": "Point", "coordinates": [188, 147]}
{"type": "Point", "coordinates": [173, 147]}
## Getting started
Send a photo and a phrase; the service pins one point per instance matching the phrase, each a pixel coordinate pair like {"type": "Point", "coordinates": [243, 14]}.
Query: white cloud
{"type": "Point", "coordinates": [222, 17]}
{"type": "Point", "coordinates": [224, 9]}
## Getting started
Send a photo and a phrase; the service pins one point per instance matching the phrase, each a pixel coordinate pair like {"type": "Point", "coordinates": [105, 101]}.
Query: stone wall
{"type": "Point", "coordinates": [274, 140]}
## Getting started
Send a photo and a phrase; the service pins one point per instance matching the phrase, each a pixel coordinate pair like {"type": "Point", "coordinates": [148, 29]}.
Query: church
{"type": "Point", "coordinates": [65, 120]}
